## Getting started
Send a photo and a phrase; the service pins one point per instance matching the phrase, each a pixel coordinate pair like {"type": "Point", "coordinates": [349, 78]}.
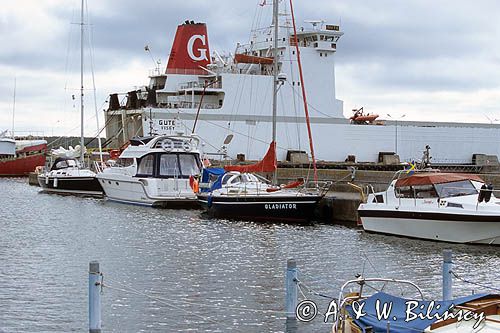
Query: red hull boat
{"type": "Point", "coordinates": [25, 160]}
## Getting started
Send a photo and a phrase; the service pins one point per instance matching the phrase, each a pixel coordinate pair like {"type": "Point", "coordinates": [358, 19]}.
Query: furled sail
{"type": "Point", "coordinates": [267, 164]}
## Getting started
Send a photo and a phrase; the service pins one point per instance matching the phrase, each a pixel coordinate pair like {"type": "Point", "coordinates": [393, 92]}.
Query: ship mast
{"type": "Point", "coordinates": [82, 138]}
{"type": "Point", "coordinates": [275, 75]}
{"type": "Point", "coordinates": [14, 108]}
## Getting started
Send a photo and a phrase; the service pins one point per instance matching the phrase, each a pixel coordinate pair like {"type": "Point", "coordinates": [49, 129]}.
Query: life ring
{"type": "Point", "coordinates": [186, 145]}
{"type": "Point", "coordinates": [193, 182]}
{"type": "Point", "coordinates": [167, 145]}
{"type": "Point", "coordinates": [39, 169]}
{"type": "Point", "coordinates": [114, 154]}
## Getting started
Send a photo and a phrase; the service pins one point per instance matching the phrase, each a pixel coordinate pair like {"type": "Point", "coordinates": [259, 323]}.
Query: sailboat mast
{"type": "Point", "coordinates": [275, 65]}
{"type": "Point", "coordinates": [304, 98]}
{"type": "Point", "coordinates": [82, 139]}
{"type": "Point", "coordinates": [275, 73]}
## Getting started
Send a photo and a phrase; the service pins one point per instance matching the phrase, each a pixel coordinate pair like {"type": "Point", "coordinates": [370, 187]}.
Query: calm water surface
{"type": "Point", "coordinates": [177, 271]}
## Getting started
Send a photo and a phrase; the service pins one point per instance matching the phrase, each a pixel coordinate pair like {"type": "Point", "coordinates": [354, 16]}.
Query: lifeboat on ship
{"type": "Point", "coordinates": [369, 118]}
{"type": "Point", "coordinates": [251, 59]}
{"type": "Point", "coordinates": [360, 118]}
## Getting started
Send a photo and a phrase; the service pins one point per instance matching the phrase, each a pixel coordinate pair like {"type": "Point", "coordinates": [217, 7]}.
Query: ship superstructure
{"type": "Point", "coordinates": [228, 96]}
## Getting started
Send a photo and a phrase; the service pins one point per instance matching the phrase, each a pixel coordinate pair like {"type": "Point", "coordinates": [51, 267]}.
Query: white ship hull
{"type": "Point", "coordinates": [147, 192]}
{"type": "Point", "coordinates": [335, 138]}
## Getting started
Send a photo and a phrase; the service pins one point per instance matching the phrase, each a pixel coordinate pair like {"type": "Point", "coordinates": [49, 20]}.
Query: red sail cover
{"type": "Point", "coordinates": [190, 49]}
{"type": "Point", "coordinates": [267, 164]}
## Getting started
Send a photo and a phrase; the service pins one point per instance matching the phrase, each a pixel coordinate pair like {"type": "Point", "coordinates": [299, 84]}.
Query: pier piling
{"type": "Point", "coordinates": [291, 289]}
{"type": "Point", "coordinates": [94, 298]}
{"type": "Point", "coordinates": [447, 278]}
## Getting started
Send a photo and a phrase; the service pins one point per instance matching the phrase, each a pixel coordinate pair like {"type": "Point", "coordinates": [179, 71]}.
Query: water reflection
{"type": "Point", "coordinates": [199, 274]}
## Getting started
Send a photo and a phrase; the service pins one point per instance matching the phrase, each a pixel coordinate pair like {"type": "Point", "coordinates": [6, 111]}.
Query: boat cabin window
{"type": "Point", "coordinates": [168, 165]}
{"type": "Point", "coordinates": [418, 191]}
{"type": "Point", "coordinates": [124, 162]}
{"type": "Point", "coordinates": [425, 191]}
{"type": "Point", "coordinates": [455, 189]}
{"type": "Point", "coordinates": [404, 192]}
{"type": "Point", "coordinates": [146, 165]}
{"type": "Point", "coordinates": [189, 165]}
{"type": "Point", "coordinates": [379, 198]}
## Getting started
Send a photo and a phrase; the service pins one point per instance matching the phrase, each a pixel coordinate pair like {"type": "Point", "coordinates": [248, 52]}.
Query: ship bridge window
{"type": "Point", "coordinates": [146, 166]}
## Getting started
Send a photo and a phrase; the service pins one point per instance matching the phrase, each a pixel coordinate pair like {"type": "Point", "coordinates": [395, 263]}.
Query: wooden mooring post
{"type": "Point", "coordinates": [447, 277]}
{"type": "Point", "coordinates": [94, 298]}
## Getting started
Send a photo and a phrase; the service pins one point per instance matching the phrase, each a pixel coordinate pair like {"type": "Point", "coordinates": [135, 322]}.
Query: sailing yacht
{"type": "Point", "coordinates": [67, 175]}
{"type": "Point", "coordinates": [240, 193]}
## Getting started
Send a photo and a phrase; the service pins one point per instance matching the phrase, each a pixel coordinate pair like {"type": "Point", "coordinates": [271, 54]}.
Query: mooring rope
{"type": "Point", "coordinates": [138, 292]}
{"type": "Point", "coordinates": [312, 291]}
{"type": "Point", "coordinates": [160, 301]}
{"type": "Point", "coordinates": [474, 283]}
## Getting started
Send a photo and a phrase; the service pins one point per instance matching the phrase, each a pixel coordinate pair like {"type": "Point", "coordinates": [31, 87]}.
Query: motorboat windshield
{"type": "Point", "coordinates": [63, 163]}
{"type": "Point", "coordinates": [456, 189]}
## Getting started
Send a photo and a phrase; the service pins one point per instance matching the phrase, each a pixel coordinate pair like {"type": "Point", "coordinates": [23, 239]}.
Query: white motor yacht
{"type": "Point", "coordinates": [451, 207]}
{"type": "Point", "coordinates": [155, 171]}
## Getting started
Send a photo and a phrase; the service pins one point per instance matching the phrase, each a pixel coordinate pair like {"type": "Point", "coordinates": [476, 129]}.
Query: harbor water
{"type": "Point", "coordinates": [179, 271]}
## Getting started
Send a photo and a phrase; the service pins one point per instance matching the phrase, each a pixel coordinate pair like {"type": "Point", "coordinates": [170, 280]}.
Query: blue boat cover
{"type": "Point", "coordinates": [208, 176]}
{"type": "Point", "coordinates": [397, 318]}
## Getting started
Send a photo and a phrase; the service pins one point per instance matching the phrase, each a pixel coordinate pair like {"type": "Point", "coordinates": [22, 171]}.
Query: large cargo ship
{"type": "Point", "coordinates": [20, 157]}
{"type": "Point", "coordinates": [228, 98]}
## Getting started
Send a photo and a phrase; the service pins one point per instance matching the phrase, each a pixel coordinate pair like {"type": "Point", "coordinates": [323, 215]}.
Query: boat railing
{"type": "Point", "coordinates": [99, 166]}
{"type": "Point", "coordinates": [344, 299]}
{"type": "Point", "coordinates": [321, 186]}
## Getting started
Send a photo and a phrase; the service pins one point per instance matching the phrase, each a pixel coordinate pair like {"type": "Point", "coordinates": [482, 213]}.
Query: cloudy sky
{"type": "Point", "coordinates": [419, 58]}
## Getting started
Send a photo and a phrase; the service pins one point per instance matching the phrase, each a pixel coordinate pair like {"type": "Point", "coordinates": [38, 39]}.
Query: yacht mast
{"type": "Point", "coordinates": [304, 98]}
{"type": "Point", "coordinates": [82, 139]}
{"type": "Point", "coordinates": [275, 74]}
